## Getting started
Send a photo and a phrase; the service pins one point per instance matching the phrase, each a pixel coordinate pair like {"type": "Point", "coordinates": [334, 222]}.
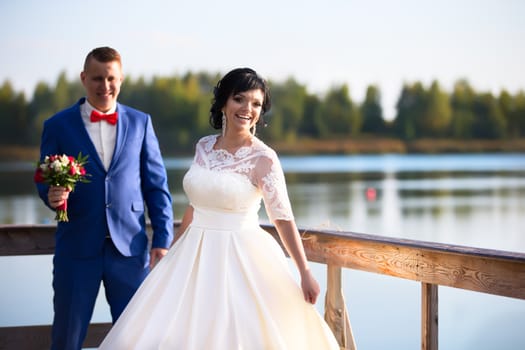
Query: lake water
{"type": "Point", "coordinates": [472, 200]}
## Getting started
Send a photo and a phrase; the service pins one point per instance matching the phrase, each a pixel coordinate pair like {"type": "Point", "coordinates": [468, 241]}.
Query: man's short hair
{"type": "Point", "coordinates": [103, 54]}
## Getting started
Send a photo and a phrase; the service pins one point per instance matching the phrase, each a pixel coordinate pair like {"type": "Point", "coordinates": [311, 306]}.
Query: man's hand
{"type": "Point", "coordinates": [155, 256]}
{"type": "Point", "coordinates": [57, 195]}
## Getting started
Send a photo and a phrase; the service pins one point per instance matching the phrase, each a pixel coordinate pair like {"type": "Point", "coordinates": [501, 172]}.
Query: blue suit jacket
{"type": "Point", "coordinates": [113, 202]}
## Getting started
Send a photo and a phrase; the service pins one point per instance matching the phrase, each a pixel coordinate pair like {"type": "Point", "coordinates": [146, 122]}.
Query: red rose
{"type": "Point", "coordinates": [39, 177]}
{"type": "Point", "coordinates": [72, 170]}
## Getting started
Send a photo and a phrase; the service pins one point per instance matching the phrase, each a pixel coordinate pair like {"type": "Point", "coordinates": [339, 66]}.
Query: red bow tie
{"type": "Point", "coordinates": [110, 118]}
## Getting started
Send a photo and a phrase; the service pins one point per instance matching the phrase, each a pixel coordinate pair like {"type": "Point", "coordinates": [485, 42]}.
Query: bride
{"type": "Point", "coordinates": [225, 284]}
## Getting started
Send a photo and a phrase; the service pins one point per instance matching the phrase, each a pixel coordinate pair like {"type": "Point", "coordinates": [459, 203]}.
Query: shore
{"type": "Point", "coordinates": [343, 146]}
{"type": "Point", "coordinates": [385, 145]}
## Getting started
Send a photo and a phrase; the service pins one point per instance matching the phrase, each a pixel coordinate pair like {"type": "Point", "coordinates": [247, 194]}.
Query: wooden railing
{"type": "Point", "coordinates": [432, 264]}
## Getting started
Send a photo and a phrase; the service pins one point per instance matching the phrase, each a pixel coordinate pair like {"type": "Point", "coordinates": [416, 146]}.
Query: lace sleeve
{"type": "Point", "coordinates": [201, 147]}
{"type": "Point", "coordinates": [271, 181]}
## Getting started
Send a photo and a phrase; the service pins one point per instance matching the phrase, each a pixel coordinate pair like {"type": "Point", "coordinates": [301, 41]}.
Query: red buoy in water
{"type": "Point", "coordinates": [371, 194]}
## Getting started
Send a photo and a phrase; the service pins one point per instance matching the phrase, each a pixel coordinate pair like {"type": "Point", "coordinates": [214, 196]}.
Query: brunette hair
{"type": "Point", "coordinates": [103, 54]}
{"type": "Point", "coordinates": [237, 80]}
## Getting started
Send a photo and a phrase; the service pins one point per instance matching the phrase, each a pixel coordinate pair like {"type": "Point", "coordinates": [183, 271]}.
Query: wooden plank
{"type": "Point", "coordinates": [25, 338]}
{"type": "Point", "coordinates": [489, 271]}
{"type": "Point", "coordinates": [39, 337]}
{"type": "Point", "coordinates": [31, 239]}
{"type": "Point", "coordinates": [429, 316]}
{"type": "Point", "coordinates": [96, 333]}
{"type": "Point", "coordinates": [27, 239]}
{"type": "Point", "coordinates": [336, 313]}
{"type": "Point", "coordinates": [481, 270]}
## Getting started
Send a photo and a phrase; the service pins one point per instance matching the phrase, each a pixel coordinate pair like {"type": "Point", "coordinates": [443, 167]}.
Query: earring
{"type": "Point", "coordinates": [223, 124]}
{"type": "Point", "coordinates": [253, 129]}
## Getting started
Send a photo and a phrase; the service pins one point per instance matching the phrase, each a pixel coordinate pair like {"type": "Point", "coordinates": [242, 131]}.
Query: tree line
{"type": "Point", "coordinates": [180, 104]}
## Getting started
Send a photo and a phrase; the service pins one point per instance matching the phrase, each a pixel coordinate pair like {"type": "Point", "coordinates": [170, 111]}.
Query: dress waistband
{"type": "Point", "coordinates": [223, 220]}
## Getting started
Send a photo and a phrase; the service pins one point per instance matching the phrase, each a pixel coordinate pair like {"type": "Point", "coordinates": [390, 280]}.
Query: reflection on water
{"type": "Point", "coordinates": [480, 210]}
{"type": "Point", "coordinates": [473, 200]}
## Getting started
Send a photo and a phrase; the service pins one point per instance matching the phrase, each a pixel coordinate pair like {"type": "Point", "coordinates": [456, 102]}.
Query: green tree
{"type": "Point", "coordinates": [372, 112]}
{"type": "Point", "coordinates": [461, 101]}
{"type": "Point", "coordinates": [13, 116]}
{"type": "Point", "coordinates": [287, 111]}
{"type": "Point", "coordinates": [513, 109]}
{"type": "Point", "coordinates": [410, 106]}
{"type": "Point", "coordinates": [40, 108]}
{"type": "Point", "coordinates": [489, 122]}
{"type": "Point", "coordinates": [518, 115]}
{"type": "Point", "coordinates": [61, 95]}
{"type": "Point", "coordinates": [308, 127]}
{"type": "Point", "coordinates": [338, 115]}
{"type": "Point", "coordinates": [435, 118]}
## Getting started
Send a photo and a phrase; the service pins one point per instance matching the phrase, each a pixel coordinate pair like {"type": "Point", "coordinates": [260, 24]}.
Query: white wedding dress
{"type": "Point", "coordinates": [225, 284]}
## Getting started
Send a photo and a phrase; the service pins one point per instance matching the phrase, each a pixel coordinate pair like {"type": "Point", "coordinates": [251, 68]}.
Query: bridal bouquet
{"type": "Point", "coordinates": [64, 171]}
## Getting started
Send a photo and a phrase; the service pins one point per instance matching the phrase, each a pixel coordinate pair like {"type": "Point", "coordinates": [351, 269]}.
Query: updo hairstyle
{"type": "Point", "coordinates": [237, 80]}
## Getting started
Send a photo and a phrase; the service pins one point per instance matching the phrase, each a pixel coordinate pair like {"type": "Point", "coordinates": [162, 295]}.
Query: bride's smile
{"type": "Point", "coordinates": [244, 117]}
{"type": "Point", "coordinates": [243, 109]}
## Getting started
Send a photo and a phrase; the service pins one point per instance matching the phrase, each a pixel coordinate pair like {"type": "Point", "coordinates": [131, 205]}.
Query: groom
{"type": "Point", "coordinates": [105, 239]}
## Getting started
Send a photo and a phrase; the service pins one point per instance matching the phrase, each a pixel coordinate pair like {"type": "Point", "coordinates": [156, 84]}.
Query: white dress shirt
{"type": "Point", "coordinates": [102, 134]}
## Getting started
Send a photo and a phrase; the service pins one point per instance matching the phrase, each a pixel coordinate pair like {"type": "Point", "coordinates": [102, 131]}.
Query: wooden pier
{"type": "Point", "coordinates": [432, 264]}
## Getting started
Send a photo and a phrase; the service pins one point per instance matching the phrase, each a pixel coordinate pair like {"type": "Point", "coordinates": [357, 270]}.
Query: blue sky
{"type": "Point", "coordinates": [319, 43]}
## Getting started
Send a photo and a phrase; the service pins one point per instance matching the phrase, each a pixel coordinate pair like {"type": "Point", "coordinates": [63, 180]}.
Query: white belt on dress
{"type": "Point", "coordinates": [224, 220]}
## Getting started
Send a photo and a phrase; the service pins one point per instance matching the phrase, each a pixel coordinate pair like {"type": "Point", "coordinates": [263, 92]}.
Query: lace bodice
{"type": "Point", "coordinates": [220, 180]}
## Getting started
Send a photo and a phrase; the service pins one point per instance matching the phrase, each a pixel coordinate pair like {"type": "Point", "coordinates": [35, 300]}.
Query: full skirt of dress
{"type": "Point", "coordinates": [224, 285]}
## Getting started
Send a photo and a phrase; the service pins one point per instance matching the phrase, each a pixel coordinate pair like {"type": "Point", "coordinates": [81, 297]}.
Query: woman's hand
{"type": "Point", "coordinates": [310, 287]}
{"type": "Point", "coordinates": [292, 241]}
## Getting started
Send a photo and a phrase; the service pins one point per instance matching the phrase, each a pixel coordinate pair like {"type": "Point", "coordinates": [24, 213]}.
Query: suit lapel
{"type": "Point", "coordinates": [84, 137]}
{"type": "Point", "coordinates": [122, 128]}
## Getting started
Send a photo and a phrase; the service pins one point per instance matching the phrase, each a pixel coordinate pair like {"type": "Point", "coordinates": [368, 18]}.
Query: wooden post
{"type": "Point", "coordinates": [335, 312]}
{"type": "Point", "coordinates": [429, 316]}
